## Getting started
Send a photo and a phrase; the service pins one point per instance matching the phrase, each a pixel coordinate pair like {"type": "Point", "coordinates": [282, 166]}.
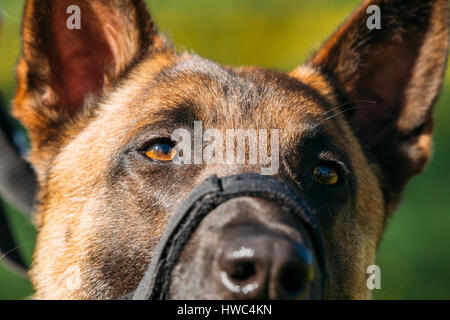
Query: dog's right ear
{"type": "Point", "coordinates": [389, 79]}
{"type": "Point", "coordinates": [73, 49]}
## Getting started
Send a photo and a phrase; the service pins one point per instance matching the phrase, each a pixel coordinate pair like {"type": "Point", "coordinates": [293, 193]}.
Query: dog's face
{"type": "Point", "coordinates": [102, 102]}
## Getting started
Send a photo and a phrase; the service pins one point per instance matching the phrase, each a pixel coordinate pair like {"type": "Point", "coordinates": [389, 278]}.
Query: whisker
{"type": "Point", "coordinates": [340, 112]}
{"type": "Point", "coordinates": [3, 256]}
{"type": "Point", "coordinates": [345, 104]}
{"type": "Point", "coordinates": [322, 120]}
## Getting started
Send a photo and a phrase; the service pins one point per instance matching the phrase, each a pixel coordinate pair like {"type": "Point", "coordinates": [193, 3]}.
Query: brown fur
{"type": "Point", "coordinates": [102, 209]}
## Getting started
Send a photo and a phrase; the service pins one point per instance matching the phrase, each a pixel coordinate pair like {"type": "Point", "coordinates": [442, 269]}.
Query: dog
{"type": "Point", "coordinates": [100, 104]}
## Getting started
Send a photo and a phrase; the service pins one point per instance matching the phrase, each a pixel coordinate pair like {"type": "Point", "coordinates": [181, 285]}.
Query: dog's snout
{"type": "Point", "coordinates": [249, 248]}
{"type": "Point", "coordinates": [264, 266]}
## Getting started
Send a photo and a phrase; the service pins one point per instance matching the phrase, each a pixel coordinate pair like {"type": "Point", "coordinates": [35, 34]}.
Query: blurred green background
{"type": "Point", "coordinates": [415, 253]}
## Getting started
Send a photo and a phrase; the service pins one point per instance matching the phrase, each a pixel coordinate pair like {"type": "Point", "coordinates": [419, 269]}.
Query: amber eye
{"type": "Point", "coordinates": [161, 152]}
{"type": "Point", "coordinates": [326, 175]}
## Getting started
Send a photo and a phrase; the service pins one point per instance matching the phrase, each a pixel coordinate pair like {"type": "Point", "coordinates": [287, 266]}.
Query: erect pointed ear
{"type": "Point", "coordinates": [73, 49]}
{"type": "Point", "coordinates": [392, 76]}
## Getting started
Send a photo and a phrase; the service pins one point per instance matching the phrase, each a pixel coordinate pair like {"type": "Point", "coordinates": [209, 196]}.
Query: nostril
{"type": "Point", "coordinates": [242, 270]}
{"type": "Point", "coordinates": [294, 280]}
{"type": "Point", "coordinates": [241, 274]}
{"type": "Point", "coordinates": [239, 263]}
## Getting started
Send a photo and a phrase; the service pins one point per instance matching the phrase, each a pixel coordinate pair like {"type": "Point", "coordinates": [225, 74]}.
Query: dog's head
{"type": "Point", "coordinates": [101, 104]}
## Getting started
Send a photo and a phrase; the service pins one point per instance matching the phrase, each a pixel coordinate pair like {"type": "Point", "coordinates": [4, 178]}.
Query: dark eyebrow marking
{"type": "Point", "coordinates": [182, 115]}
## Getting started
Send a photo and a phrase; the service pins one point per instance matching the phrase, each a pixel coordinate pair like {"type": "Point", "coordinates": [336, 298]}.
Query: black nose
{"type": "Point", "coordinates": [265, 266]}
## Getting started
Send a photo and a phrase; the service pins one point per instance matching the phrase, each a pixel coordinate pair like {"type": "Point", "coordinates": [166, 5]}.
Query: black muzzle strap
{"type": "Point", "coordinates": [208, 195]}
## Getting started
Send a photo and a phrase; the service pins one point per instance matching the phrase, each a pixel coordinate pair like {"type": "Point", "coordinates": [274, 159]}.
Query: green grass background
{"type": "Point", "coordinates": [415, 253]}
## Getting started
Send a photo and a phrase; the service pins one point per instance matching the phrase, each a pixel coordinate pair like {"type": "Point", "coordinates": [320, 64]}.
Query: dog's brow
{"type": "Point", "coordinates": [182, 115]}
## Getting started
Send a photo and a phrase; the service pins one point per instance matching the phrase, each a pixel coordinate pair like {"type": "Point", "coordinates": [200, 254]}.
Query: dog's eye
{"type": "Point", "coordinates": [161, 151]}
{"type": "Point", "coordinates": [325, 174]}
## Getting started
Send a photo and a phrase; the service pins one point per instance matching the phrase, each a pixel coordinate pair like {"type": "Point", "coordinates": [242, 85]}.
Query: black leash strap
{"type": "Point", "coordinates": [214, 191]}
{"type": "Point", "coordinates": [17, 186]}
{"type": "Point", "coordinates": [17, 178]}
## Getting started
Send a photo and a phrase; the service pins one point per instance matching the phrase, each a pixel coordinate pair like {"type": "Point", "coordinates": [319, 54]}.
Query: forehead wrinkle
{"type": "Point", "coordinates": [243, 94]}
{"type": "Point", "coordinates": [238, 94]}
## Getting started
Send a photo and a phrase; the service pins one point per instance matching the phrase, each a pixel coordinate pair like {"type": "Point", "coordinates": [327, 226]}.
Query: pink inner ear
{"type": "Point", "coordinates": [79, 58]}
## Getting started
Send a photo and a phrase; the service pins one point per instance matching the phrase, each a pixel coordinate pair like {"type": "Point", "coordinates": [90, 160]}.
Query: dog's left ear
{"type": "Point", "coordinates": [74, 49]}
{"type": "Point", "coordinates": [392, 77]}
